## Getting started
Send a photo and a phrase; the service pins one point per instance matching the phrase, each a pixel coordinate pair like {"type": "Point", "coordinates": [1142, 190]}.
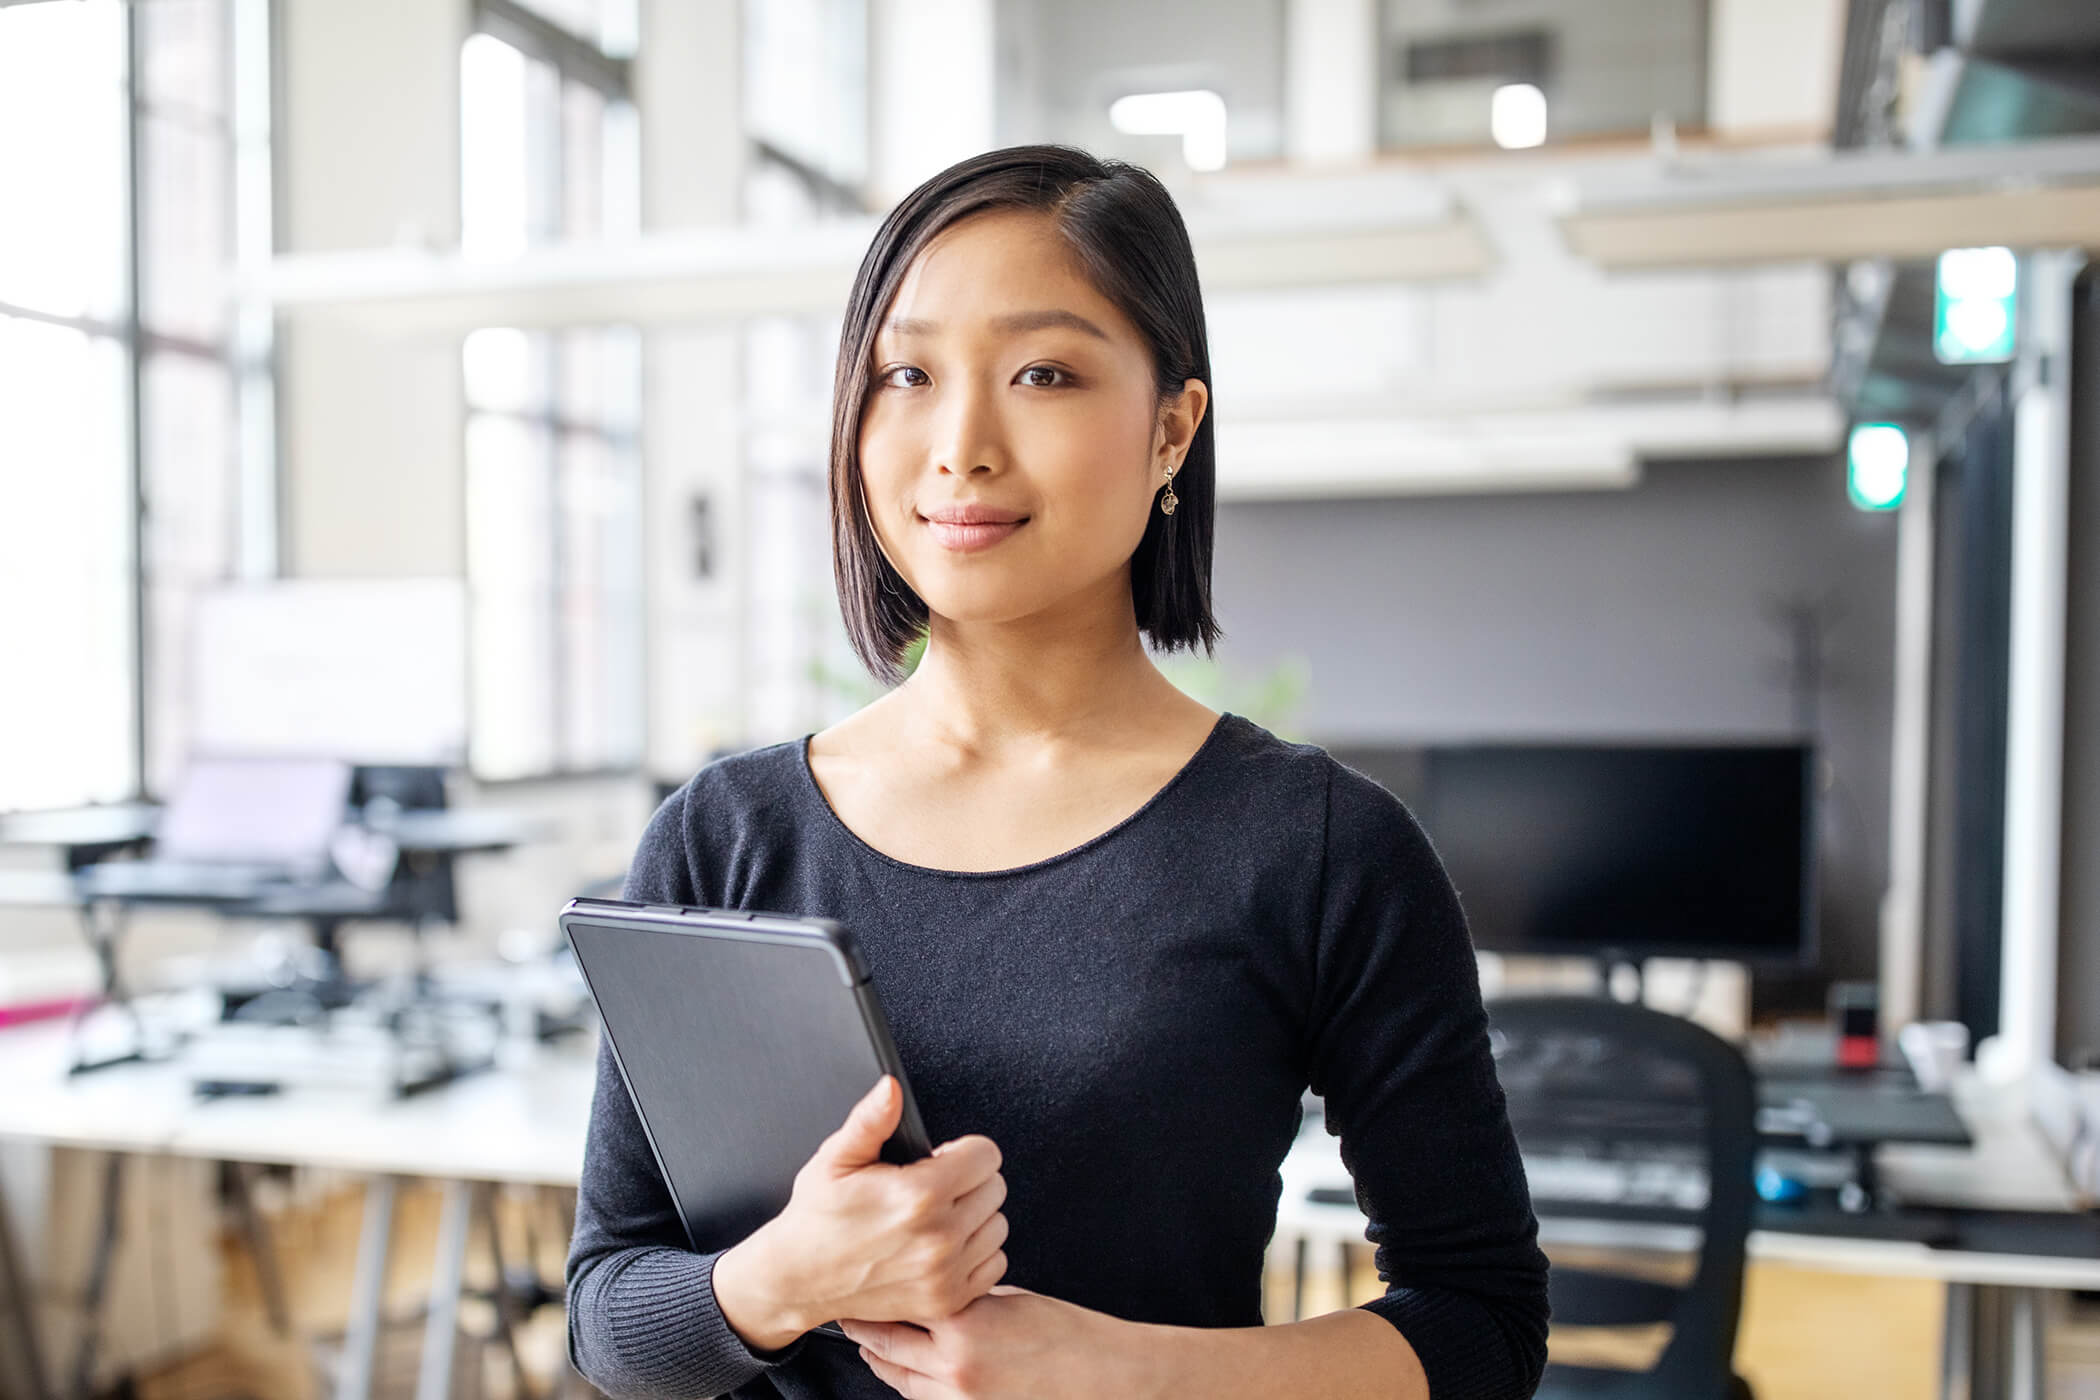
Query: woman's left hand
{"type": "Point", "coordinates": [1009, 1344]}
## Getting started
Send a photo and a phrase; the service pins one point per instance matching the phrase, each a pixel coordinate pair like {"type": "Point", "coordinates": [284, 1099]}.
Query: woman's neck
{"type": "Point", "coordinates": [984, 687]}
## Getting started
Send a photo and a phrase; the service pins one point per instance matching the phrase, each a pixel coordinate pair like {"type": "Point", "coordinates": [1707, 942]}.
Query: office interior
{"type": "Point", "coordinates": [1654, 436]}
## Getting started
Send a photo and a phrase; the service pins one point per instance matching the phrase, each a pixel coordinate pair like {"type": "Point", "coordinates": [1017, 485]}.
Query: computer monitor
{"type": "Point", "coordinates": [372, 669]}
{"type": "Point", "coordinates": [1628, 850]}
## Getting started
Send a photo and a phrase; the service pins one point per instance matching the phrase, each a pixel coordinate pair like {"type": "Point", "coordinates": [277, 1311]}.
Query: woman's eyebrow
{"type": "Point", "coordinates": [1012, 321]}
{"type": "Point", "coordinates": [1043, 320]}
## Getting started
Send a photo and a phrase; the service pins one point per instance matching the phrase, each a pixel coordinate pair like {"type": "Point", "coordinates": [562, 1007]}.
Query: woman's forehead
{"type": "Point", "coordinates": [1003, 271]}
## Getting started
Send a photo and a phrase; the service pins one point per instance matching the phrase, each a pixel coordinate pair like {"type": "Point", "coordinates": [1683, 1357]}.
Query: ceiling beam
{"type": "Point", "coordinates": [1849, 204]}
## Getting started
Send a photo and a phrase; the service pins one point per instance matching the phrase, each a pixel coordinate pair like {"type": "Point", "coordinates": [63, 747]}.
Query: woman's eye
{"type": "Point", "coordinates": [895, 378]}
{"type": "Point", "coordinates": [1042, 377]}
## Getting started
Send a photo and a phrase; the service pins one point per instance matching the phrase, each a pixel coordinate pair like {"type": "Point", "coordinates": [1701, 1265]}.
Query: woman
{"type": "Point", "coordinates": [1117, 933]}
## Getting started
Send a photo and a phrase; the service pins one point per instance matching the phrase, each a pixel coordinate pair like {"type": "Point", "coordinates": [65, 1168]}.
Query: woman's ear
{"type": "Point", "coordinates": [1179, 417]}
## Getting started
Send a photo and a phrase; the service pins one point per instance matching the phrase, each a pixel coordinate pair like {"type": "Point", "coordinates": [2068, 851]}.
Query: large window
{"type": "Point", "coordinates": [550, 152]}
{"type": "Point", "coordinates": [135, 461]}
{"type": "Point", "coordinates": [805, 99]}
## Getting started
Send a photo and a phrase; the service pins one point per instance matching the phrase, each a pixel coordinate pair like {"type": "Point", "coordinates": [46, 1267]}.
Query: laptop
{"type": "Point", "coordinates": [234, 826]}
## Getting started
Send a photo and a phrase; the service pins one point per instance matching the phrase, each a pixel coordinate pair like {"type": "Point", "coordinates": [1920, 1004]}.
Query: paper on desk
{"type": "Point", "coordinates": [2066, 1109]}
{"type": "Point", "coordinates": [2012, 1165]}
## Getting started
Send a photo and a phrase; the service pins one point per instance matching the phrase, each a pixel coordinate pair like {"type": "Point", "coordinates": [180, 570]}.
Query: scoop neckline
{"type": "Point", "coordinates": [838, 823]}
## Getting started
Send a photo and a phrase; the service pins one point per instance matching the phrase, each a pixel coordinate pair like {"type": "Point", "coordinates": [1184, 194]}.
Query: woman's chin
{"type": "Point", "coordinates": [974, 604]}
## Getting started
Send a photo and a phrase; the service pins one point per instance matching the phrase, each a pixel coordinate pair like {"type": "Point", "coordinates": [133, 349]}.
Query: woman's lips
{"type": "Point", "coordinates": [965, 539]}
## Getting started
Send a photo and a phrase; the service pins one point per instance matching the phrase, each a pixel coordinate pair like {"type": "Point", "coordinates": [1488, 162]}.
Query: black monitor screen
{"type": "Point", "coordinates": [1700, 852]}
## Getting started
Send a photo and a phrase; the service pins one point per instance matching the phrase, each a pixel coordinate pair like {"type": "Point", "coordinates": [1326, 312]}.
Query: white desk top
{"type": "Point", "coordinates": [2010, 1167]}
{"type": "Point", "coordinates": [520, 1123]}
{"type": "Point", "coordinates": [525, 1122]}
{"type": "Point", "coordinates": [1843, 1254]}
{"type": "Point", "coordinates": [129, 1108]}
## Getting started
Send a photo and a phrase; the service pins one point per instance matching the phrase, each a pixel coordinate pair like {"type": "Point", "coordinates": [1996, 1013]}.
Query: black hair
{"type": "Point", "coordinates": [1122, 226]}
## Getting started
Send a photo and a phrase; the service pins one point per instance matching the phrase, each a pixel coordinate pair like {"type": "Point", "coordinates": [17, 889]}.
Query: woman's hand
{"type": "Point", "coordinates": [862, 1237]}
{"type": "Point", "coordinates": [1011, 1344]}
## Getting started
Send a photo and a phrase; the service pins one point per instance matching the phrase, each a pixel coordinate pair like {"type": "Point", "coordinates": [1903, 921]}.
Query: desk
{"type": "Point", "coordinates": [86, 834]}
{"type": "Point", "coordinates": [458, 831]}
{"type": "Point", "coordinates": [2012, 1220]}
{"type": "Point", "coordinates": [104, 892]}
{"type": "Point", "coordinates": [84, 831]}
{"type": "Point", "coordinates": [523, 1124]}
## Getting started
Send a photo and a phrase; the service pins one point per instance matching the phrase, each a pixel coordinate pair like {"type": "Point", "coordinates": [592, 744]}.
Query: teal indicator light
{"type": "Point", "coordinates": [1974, 312]}
{"type": "Point", "coordinates": [1877, 465]}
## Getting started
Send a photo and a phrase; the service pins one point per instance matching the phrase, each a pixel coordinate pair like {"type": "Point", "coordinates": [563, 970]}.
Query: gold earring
{"type": "Point", "coordinates": [1168, 501]}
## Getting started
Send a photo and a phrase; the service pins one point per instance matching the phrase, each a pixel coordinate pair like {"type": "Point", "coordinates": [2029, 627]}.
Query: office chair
{"type": "Point", "coordinates": [422, 888]}
{"type": "Point", "coordinates": [1662, 1101]}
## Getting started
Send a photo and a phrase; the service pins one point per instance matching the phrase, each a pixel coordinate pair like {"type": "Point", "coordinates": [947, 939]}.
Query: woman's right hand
{"type": "Point", "coordinates": [865, 1238]}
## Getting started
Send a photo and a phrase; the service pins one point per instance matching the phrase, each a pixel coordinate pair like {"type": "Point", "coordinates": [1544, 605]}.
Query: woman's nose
{"type": "Point", "coordinates": [969, 441]}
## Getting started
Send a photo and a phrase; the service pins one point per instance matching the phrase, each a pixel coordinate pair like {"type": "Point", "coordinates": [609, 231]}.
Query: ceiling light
{"type": "Point", "coordinates": [1196, 116]}
{"type": "Point", "coordinates": [1517, 116]}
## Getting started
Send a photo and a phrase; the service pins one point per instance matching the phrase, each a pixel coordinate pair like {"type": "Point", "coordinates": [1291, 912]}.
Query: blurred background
{"type": "Point", "coordinates": [1653, 435]}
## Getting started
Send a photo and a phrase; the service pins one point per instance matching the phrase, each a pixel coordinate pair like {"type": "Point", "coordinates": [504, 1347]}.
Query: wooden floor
{"type": "Point", "coordinates": [1805, 1335]}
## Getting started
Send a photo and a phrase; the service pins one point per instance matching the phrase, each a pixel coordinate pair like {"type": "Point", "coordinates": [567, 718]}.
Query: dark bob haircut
{"type": "Point", "coordinates": [1123, 227]}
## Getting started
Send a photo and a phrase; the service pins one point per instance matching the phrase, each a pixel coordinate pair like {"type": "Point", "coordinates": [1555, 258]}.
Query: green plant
{"type": "Point", "coordinates": [1272, 698]}
{"type": "Point", "coordinates": [856, 686]}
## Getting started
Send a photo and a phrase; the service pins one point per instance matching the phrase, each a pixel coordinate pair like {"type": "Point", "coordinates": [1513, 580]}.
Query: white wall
{"type": "Point", "coordinates": [1658, 611]}
{"type": "Point", "coordinates": [689, 91]}
{"type": "Point", "coordinates": [368, 154]}
{"type": "Point", "coordinates": [1330, 81]}
{"type": "Point", "coordinates": [372, 426]}
{"type": "Point", "coordinates": [930, 65]}
{"type": "Point", "coordinates": [1773, 68]}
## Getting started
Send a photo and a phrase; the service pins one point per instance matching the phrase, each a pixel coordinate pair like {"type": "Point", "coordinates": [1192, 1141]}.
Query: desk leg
{"type": "Point", "coordinates": [103, 936]}
{"type": "Point", "coordinates": [2006, 1340]}
{"type": "Point", "coordinates": [2026, 1356]}
{"type": "Point", "coordinates": [367, 1293]}
{"type": "Point", "coordinates": [441, 1328]}
{"type": "Point", "coordinates": [239, 1178]}
{"type": "Point", "coordinates": [21, 1307]}
{"type": "Point", "coordinates": [1958, 1343]}
{"type": "Point", "coordinates": [507, 1311]}
{"type": "Point", "coordinates": [98, 1278]}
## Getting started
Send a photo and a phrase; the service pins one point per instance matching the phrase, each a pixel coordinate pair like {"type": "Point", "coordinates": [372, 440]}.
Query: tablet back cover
{"type": "Point", "coordinates": [741, 1056]}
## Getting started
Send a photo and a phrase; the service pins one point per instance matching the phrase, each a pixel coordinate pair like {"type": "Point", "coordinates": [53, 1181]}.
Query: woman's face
{"type": "Point", "coordinates": [1013, 442]}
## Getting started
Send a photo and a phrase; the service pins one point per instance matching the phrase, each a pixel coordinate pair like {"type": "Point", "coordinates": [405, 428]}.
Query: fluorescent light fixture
{"type": "Point", "coordinates": [1877, 461]}
{"type": "Point", "coordinates": [1517, 116]}
{"type": "Point", "coordinates": [1197, 116]}
{"type": "Point", "coordinates": [1973, 307]}
{"type": "Point", "coordinates": [1978, 272]}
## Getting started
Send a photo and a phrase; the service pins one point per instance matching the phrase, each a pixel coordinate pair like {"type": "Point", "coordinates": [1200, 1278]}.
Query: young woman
{"type": "Point", "coordinates": [1117, 934]}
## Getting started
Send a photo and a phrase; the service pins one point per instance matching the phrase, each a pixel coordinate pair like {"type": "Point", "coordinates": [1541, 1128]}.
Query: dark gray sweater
{"type": "Point", "coordinates": [1134, 1022]}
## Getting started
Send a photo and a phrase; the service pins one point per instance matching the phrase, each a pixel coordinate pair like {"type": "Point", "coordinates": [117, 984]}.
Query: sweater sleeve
{"type": "Point", "coordinates": [1399, 1053]}
{"type": "Point", "coordinates": [643, 1319]}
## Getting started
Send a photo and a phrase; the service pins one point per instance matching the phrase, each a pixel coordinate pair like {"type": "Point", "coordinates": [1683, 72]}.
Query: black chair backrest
{"type": "Point", "coordinates": [412, 787]}
{"type": "Point", "coordinates": [1592, 1077]}
{"type": "Point", "coordinates": [424, 888]}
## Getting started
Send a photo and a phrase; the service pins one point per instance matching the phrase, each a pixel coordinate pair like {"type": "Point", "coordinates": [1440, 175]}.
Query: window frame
{"type": "Point", "coordinates": [245, 354]}
{"type": "Point", "coordinates": [575, 60]}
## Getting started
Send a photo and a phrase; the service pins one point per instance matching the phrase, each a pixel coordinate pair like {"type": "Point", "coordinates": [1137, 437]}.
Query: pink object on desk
{"type": "Point", "coordinates": [24, 1012]}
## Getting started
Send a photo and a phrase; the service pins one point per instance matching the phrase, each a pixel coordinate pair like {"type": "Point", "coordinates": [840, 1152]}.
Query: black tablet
{"type": "Point", "coordinates": [745, 1039]}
